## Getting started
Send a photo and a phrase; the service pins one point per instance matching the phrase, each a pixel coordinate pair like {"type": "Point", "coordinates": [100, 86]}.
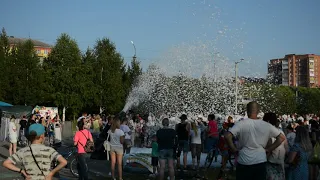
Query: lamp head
{"type": "Point", "coordinates": [131, 42]}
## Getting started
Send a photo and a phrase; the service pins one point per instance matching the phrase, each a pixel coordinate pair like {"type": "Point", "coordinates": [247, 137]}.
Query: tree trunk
{"type": "Point", "coordinates": [64, 114]}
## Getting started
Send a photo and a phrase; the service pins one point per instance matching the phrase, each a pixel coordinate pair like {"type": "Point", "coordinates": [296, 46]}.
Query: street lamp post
{"type": "Point", "coordinates": [236, 79]}
{"type": "Point", "coordinates": [135, 51]}
{"type": "Point", "coordinates": [101, 110]}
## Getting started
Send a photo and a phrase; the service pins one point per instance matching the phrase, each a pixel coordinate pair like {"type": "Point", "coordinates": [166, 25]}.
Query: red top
{"type": "Point", "coordinates": [213, 129]}
{"type": "Point", "coordinates": [81, 138]}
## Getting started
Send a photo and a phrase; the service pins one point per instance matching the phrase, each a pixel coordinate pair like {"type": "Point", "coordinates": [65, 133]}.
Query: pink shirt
{"type": "Point", "coordinates": [81, 138]}
{"type": "Point", "coordinates": [213, 129]}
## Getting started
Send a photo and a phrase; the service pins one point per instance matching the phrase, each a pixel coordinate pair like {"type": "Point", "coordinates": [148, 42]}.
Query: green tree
{"type": "Point", "coordinates": [4, 58]}
{"type": "Point", "coordinates": [23, 71]}
{"type": "Point", "coordinates": [135, 71]}
{"type": "Point", "coordinates": [91, 92]}
{"type": "Point", "coordinates": [309, 100]}
{"type": "Point", "coordinates": [29, 79]}
{"type": "Point", "coordinates": [285, 100]}
{"type": "Point", "coordinates": [64, 67]}
{"type": "Point", "coordinates": [110, 64]}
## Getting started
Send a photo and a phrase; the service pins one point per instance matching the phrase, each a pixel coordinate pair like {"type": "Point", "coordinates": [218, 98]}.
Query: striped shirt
{"type": "Point", "coordinates": [43, 154]}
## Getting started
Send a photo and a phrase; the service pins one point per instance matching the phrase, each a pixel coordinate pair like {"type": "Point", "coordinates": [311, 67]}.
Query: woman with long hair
{"type": "Point", "coordinates": [195, 133]}
{"type": "Point", "coordinates": [97, 123]}
{"type": "Point", "coordinates": [116, 146]}
{"type": "Point", "coordinates": [13, 136]}
{"type": "Point", "coordinates": [299, 155]}
{"type": "Point", "coordinates": [275, 163]}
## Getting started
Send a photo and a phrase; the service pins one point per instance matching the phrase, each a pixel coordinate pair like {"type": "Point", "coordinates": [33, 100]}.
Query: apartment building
{"type": "Point", "coordinates": [295, 70]}
{"type": "Point", "coordinates": [42, 49]}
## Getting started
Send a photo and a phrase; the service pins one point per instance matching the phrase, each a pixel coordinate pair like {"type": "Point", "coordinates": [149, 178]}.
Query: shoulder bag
{"type": "Point", "coordinates": [107, 146]}
{"type": "Point", "coordinates": [36, 161]}
{"type": "Point", "coordinates": [89, 146]}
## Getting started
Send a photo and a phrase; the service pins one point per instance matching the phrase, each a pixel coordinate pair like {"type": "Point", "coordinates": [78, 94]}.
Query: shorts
{"type": "Point", "coordinates": [127, 143]}
{"type": "Point", "coordinates": [224, 152]}
{"type": "Point", "coordinates": [154, 161]}
{"type": "Point", "coordinates": [116, 149]}
{"type": "Point", "coordinates": [166, 154]}
{"type": "Point", "coordinates": [183, 146]}
{"type": "Point", "coordinates": [195, 150]}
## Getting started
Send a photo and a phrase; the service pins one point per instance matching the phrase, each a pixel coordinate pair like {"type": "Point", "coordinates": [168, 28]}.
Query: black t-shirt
{"type": "Point", "coordinates": [104, 133]}
{"type": "Point", "coordinates": [166, 138]}
{"type": "Point", "coordinates": [182, 132]}
{"type": "Point", "coordinates": [23, 124]}
{"type": "Point", "coordinates": [30, 122]}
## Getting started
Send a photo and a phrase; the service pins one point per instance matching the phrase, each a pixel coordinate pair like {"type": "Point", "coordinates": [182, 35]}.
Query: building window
{"type": "Point", "coordinates": [38, 51]}
{"type": "Point", "coordinates": [46, 51]}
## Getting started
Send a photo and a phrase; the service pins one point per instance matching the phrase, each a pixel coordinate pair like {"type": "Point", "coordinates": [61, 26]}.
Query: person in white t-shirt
{"type": "Point", "coordinates": [253, 135]}
{"type": "Point", "coordinates": [127, 138]}
{"type": "Point", "coordinates": [195, 133]}
{"type": "Point", "coordinates": [116, 136]}
{"type": "Point", "coordinates": [275, 164]}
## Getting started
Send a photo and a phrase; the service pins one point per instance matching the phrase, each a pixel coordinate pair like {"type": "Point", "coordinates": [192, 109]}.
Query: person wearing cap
{"type": "Point", "coordinates": [36, 159]}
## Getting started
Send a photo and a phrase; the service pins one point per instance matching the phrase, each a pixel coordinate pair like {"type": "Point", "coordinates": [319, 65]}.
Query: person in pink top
{"type": "Point", "coordinates": [80, 139]}
{"type": "Point", "coordinates": [213, 133]}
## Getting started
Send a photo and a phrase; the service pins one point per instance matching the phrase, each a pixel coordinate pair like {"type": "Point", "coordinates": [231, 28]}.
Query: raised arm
{"type": "Point", "coordinates": [62, 163]}
{"type": "Point", "coordinates": [279, 139]}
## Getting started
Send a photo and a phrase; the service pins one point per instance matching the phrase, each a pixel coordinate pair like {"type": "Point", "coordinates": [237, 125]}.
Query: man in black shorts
{"type": "Point", "coordinates": [166, 139]}
{"type": "Point", "coordinates": [183, 132]}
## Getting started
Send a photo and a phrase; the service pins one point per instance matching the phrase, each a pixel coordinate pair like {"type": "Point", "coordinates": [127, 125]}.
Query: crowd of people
{"type": "Point", "coordinates": [18, 131]}
{"type": "Point", "coordinates": [273, 147]}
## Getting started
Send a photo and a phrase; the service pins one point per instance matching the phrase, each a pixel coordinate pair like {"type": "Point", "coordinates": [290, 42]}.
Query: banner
{"type": "Point", "coordinates": [45, 111]}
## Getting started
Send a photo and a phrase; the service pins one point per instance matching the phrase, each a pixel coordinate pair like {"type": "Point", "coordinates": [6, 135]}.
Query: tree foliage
{"type": "Point", "coordinates": [67, 78]}
{"type": "Point", "coordinates": [100, 78]}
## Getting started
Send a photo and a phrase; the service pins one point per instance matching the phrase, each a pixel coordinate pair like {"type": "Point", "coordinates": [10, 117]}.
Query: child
{"type": "Point", "coordinates": [223, 147]}
{"type": "Point", "coordinates": [154, 155]}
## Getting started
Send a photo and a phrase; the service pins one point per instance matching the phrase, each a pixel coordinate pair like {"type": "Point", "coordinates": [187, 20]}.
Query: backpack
{"type": "Point", "coordinates": [89, 146]}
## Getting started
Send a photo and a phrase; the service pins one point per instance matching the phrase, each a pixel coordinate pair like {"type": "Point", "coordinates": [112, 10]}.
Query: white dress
{"type": "Point", "coordinates": [13, 136]}
{"type": "Point", "coordinates": [57, 133]}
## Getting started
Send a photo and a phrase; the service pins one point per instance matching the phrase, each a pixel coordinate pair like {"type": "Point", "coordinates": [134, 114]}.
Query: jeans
{"type": "Point", "coordinates": [82, 167]}
{"type": "Point", "coordinates": [211, 142]}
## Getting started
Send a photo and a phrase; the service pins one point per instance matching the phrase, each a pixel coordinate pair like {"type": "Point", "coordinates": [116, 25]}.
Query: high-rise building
{"type": "Point", "coordinates": [42, 49]}
{"type": "Point", "coordinates": [275, 71]}
{"type": "Point", "coordinates": [295, 70]}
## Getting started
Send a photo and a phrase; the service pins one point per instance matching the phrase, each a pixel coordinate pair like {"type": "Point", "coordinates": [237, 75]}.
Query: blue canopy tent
{"type": "Point", "coordinates": [5, 104]}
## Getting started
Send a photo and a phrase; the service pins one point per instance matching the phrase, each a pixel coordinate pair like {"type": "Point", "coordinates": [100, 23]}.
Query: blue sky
{"type": "Point", "coordinates": [256, 30]}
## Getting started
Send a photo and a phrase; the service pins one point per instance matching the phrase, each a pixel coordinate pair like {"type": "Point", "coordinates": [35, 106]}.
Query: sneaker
{"type": "Point", "coordinates": [153, 175]}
